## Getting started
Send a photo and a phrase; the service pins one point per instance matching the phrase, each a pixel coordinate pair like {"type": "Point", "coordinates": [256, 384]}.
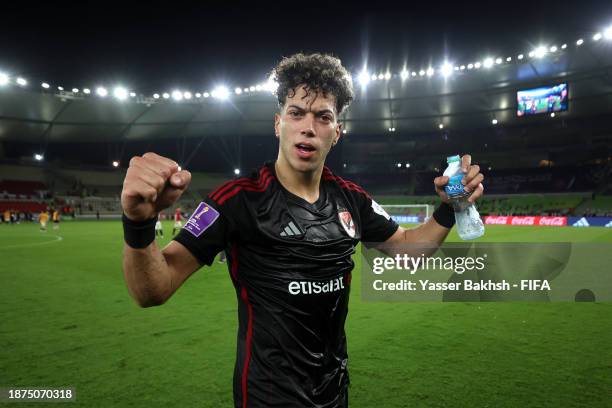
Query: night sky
{"type": "Point", "coordinates": [195, 46]}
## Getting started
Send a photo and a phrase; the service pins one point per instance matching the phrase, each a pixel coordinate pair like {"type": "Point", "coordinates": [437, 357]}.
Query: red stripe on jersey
{"type": "Point", "coordinates": [227, 186]}
{"type": "Point", "coordinates": [347, 185]}
{"type": "Point", "coordinates": [262, 185]}
{"type": "Point", "coordinates": [249, 339]}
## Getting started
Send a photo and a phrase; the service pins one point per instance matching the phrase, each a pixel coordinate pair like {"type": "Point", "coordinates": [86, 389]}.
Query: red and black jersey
{"type": "Point", "coordinates": [290, 263]}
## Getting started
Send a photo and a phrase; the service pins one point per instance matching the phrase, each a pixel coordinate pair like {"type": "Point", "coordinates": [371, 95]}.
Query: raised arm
{"type": "Point", "coordinates": [152, 184]}
{"type": "Point", "coordinates": [427, 237]}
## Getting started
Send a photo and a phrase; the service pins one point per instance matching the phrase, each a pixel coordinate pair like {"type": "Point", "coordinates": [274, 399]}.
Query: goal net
{"type": "Point", "coordinates": [409, 213]}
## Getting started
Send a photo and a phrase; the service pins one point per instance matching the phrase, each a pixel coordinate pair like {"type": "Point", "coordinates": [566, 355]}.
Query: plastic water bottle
{"type": "Point", "coordinates": [468, 221]}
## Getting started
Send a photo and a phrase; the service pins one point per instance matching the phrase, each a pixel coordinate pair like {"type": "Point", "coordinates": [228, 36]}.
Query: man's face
{"type": "Point", "coordinates": [307, 127]}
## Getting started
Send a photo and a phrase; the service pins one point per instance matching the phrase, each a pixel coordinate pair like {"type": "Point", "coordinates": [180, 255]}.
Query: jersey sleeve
{"type": "Point", "coordinates": [377, 225]}
{"type": "Point", "coordinates": [206, 232]}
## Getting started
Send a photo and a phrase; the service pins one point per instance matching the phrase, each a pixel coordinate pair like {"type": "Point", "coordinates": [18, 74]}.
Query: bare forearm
{"type": "Point", "coordinates": [422, 240]}
{"type": "Point", "coordinates": [147, 275]}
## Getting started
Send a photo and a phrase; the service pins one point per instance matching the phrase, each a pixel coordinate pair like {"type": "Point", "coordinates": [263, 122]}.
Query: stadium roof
{"type": "Point", "coordinates": [420, 103]}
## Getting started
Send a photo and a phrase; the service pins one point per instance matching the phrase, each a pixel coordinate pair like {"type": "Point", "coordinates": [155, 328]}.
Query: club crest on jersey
{"type": "Point", "coordinates": [203, 217]}
{"type": "Point", "coordinates": [347, 222]}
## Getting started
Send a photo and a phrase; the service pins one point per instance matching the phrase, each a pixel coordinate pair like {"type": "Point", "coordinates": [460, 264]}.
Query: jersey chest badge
{"type": "Point", "coordinates": [347, 222]}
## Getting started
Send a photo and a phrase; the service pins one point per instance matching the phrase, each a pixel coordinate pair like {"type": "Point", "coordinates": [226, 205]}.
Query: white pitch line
{"type": "Point", "coordinates": [57, 239]}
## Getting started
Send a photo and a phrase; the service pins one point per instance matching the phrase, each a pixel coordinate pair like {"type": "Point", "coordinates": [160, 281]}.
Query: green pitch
{"type": "Point", "coordinates": [67, 320]}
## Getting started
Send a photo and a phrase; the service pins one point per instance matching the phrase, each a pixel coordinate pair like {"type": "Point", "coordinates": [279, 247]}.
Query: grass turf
{"type": "Point", "coordinates": [67, 320]}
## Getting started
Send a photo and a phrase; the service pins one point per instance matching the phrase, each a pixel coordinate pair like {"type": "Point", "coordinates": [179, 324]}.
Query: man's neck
{"type": "Point", "coordinates": [302, 184]}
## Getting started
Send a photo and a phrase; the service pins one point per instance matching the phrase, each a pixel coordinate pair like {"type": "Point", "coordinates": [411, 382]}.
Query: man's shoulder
{"type": "Point", "coordinates": [256, 182]}
{"type": "Point", "coordinates": [346, 185]}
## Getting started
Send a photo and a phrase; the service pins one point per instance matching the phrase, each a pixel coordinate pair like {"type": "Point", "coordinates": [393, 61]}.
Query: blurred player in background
{"type": "Point", "coordinates": [56, 219]}
{"type": "Point", "coordinates": [43, 218]}
{"type": "Point", "coordinates": [159, 229]}
{"type": "Point", "coordinates": [177, 221]}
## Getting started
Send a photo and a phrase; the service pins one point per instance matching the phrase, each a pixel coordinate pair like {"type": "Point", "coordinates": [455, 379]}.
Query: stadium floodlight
{"type": "Point", "coordinates": [430, 71]}
{"type": "Point", "coordinates": [446, 70]}
{"type": "Point", "coordinates": [391, 129]}
{"type": "Point", "coordinates": [238, 91]}
{"type": "Point", "coordinates": [115, 163]}
{"type": "Point", "coordinates": [86, 91]}
{"type": "Point", "coordinates": [520, 56]}
{"type": "Point", "coordinates": [407, 165]}
{"type": "Point", "coordinates": [508, 59]}
{"type": "Point", "coordinates": [198, 95]}
{"type": "Point", "coordinates": [470, 66]}
{"type": "Point", "coordinates": [75, 90]}
{"type": "Point", "coordinates": [38, 157]}
{"type": "Point", "coordinates": [399, 165]}
{"type": "Point", "coordinates": [155, 96]}
{"type": "Point", "coordinates": [344, 131]}
{"type": "Point", "coordinates": [597, 37]}
{"type": "Point", "coordinates": [177, 95]}
{"type": "Point", "coordinates": [180, 168]}
{"type": "Point", "coordinates": [21, 81]}
{"type": "Point", "coordinates": [538, 52]}
{"type": "Point", "coordinates": [498, 60]}
{"type": "Point", "coordinates": [477, 64]}
{"type": "Point", "coordinates": [252, 88]}
{"type": "Point", "coordinates": [374, 77]}
{"type": "Point", "coordinates": [165, 95]}
{"type": "Point", "coordinates": [488, 62]}
{"type": "Point", "coordinates": [580, 42]}
{"type": "Point", "coordinates": [120, 93]}
{"type": "Point", "coordinates": [564, 46]}
{"type": "Point", "coordinates": [245, 90]}
{"type": "Point", "coordinates": [421, 72]}
{"type": "Point", "coordinates": [60, 88]}
{"type": "Point", "coordinates": [236, 171]}
{"type": "Point", "coordinates": [4, 79]}
{"type": "Point", "coordinates": [441, 126]}
{"type": "Point", "coordinates": [222, 93]}
{"type": "Point", "coordinates": [206, 94]}
{"type": "Point", "coordinates": [45, 85]}
{"type": "Point", "coordinates": [387, 76]}
{"type": "Point", "coordinates": [553, 48]}
{"type": "Point", "coordinates": [257, 88]}
{"type": "Point", "coordinates": [552, 114]}
{"type": "Point", "coordinates": [608, 33]}
{"type": "Point", "coordinates": [462, 67]}
{"type": "Point", "coordinates": [414, 73]}
{"type": "Point", "coordinates": [457, 68]}
{"type": "Point", "coordinates": [187, 95]}
{"type": "Point", "coordinates": [404, 74]}
{"type": "Point", "coordinates": [494, 121]}
{"type": "Point", "coordinates": [132, 94]}
{"type": "Point", "coordinates": [101, 92]}
{"type": "Point", "coordinates": [381, 76]}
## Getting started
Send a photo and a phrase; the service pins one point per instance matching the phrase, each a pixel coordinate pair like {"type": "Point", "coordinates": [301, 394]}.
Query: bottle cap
{"type": "Point", "coordinates": [451, 159]}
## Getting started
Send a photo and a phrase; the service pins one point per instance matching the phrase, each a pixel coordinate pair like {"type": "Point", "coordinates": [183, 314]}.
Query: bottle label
{"type": "Point", "coordinates": [454, 188]}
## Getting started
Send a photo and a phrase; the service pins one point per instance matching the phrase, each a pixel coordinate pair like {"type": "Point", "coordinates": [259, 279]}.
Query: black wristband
{"type": "Point", "coordinates": [138, 234]}
{"type": "Point", "coordinates": [445, 215]}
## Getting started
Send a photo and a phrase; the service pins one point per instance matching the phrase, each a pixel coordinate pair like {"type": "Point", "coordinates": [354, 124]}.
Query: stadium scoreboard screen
{"type": "Point", "coordinates": [542, 100]}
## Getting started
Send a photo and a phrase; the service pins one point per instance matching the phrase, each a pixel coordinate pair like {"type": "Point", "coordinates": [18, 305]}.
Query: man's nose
{"type": "Point", "coordinates": [308, 125]}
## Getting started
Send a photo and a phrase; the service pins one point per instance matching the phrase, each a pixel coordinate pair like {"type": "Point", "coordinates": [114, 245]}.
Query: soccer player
{"type": "Point", "coordinates": [56, 219]}
{"type": "Point", "coordinates": [43, 218]}
{"type": "Point", "coordinates": [177, 221]}
{"type": "Point", "coordinates": [159, 230]}
{"type": "Point", "coordinates": [289, 231]}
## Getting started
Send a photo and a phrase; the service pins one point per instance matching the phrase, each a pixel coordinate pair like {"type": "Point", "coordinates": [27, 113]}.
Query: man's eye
{"type": "Point", "coordinates": [294, 113]}
{"type": "Point", "coordinates": [326, 118]}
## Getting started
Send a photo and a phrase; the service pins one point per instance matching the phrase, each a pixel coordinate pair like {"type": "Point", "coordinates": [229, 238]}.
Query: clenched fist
{"type": "Point", "coordinates": [152, 183]}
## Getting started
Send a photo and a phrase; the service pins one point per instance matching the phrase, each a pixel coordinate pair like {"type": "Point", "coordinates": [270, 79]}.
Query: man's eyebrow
{"type": "Point", "coordinates": [322, 111]}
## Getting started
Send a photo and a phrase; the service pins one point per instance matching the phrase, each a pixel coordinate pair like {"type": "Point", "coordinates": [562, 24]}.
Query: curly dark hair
{"type": "Point", "coordinates": [319, 73]}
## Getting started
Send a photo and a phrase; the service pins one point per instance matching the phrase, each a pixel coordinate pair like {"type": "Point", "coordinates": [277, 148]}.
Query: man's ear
{"type": "Point", "coordinates": [338, 133]}
{"type": "Point", "coordinates": [277, 119]}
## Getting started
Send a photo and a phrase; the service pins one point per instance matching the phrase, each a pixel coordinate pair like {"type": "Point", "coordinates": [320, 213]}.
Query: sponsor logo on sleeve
{"type": "Point", "coordinates": [203, 217]}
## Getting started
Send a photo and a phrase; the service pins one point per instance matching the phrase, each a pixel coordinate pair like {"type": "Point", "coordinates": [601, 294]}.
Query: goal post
{"type": "Point", "coordinates": [409, 213]}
